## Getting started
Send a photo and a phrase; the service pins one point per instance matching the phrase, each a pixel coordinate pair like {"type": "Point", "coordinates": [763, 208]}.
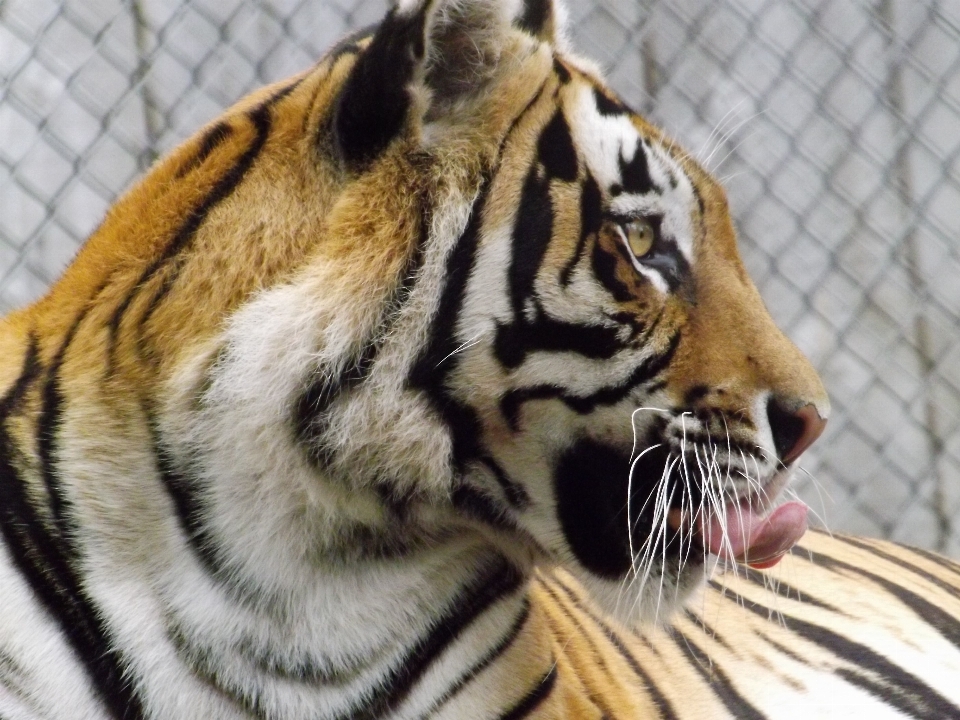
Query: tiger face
{"type": "Point", "coordinates": [626, 389]}
{"type": "Point", "coordinates": [527, 322]}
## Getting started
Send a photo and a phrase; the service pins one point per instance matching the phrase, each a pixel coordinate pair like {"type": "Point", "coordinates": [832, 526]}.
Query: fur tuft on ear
{"type": "Point", "coordinates": [464, 40]}
{"type": "Point", "coordinates": [427, 59]}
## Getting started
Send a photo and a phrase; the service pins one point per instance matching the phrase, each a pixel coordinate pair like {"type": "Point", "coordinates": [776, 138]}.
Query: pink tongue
{"type": "Point", "coordinates": [753, 540]}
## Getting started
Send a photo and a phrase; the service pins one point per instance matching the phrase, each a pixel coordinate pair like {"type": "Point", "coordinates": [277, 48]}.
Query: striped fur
{"type": "Point", "coordinates": [296, 431]}
{"type": "Point", "coordinates": [843, 628]}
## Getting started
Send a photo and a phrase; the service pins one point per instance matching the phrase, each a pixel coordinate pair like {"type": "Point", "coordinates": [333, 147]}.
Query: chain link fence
{"type": "Point", "coordinates": [834, 124]}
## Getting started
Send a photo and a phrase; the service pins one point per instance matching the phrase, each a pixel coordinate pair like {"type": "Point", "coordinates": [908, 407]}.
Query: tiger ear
{"type": "Point", "coordinates": [427, 58]}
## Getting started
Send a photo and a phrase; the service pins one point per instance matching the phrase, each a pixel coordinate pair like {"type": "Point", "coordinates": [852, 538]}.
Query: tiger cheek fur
{"type": "Point", "coordinates": [309, 408]}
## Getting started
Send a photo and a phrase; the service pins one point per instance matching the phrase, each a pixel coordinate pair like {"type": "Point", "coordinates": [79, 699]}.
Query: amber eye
{"type": "Point", "coordinates": [638, 235]}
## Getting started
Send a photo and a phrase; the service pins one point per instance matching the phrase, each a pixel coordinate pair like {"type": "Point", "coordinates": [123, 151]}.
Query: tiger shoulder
{"type": "Point", "coordinates": [347, 401]}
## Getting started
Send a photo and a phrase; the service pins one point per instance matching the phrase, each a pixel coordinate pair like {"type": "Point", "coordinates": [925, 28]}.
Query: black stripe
{"type": "Point", "coordinates": [555, 150]}
{"type": "Point", "coordinates": [944, 562]}
{"type": "Point", "coordinates": [211, 140]}
{"type": "Point", "coordinates": [782, 588]}
{"type": "Point", "coordinates": [515, 340]}
{"type": "Point", "coordinates": [188, 505]}
{"type": "Point", "coordinates": [495, 653]}
{"type": "Point", "coordinates": [946, 624]}
{"type": "Point", "coordinates": [474, 503]}
{"type": "Point", "coordinates": [877, 675]}
{"type": "Point", "coordinates": [44, 562]}
{"type": "Point", "coordinates": [260, 117]}
{"type": "Point", "coordinates": [10, 402]}
{"type": "Point", "coordinates": [48, 428]}
{"type": "Point", "coordinates": [663, 705]}
{"type": "Point", "coordinates": [591, 220]}
{"type": "Point", "coordinates": [515, 493]}
{"type": "Point", "coordinates": [708, 630]}
{"type": "Point", "coordinates": [738, 705]}
{"type": "Point", "coordinates": [951, 589]}
{"type": "Point", "coordinates": [635, 175]}
{"type": "Point", "coordinates": [491, 585]}
{"type": "Point", "coordinates": [608, 106]}
{"type": "Point", "coordinates": [532, 234]}
{"type": "Point", "coordinates": [311, 416]}
{"type": "Point", "coordinates": [536, 14]}
{"type": "Point", "coordinates": [533, 699]}
{"type": "Point", "coordinates": [373, 103]}
{"type": "Point", "coordinates": [439, 357]}
{"type": "Point", "coordinates": [895, 686]}
{"type": "Point", "coordinates": [792, 654]}
{"type": "Point", "coordinates": [652, 366]}
{"type": "Point", "coordinates": [594, 650]}
{"type": "Point", "coordinates": [894, 697]}
{"type": "Point", "coordinates": [532, 231]}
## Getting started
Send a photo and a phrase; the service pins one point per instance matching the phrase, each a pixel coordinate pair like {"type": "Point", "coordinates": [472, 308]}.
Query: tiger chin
{"type": "Point", "coordinates": [294, 431]}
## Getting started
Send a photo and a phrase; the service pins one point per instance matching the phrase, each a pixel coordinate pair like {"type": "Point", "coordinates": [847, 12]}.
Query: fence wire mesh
{"type": "Point", "coordinates": [834, 124]}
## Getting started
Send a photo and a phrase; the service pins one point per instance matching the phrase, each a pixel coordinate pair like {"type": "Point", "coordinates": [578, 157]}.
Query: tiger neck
{"type": "Point", "coordinates": [413, 622]}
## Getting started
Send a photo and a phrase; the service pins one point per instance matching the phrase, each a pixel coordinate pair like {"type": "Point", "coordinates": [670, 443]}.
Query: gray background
{"type": "Point", "coordinates": [835, 125]}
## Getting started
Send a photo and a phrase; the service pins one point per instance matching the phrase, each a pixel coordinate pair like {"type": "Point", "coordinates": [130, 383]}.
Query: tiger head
{"type": "Point", "coordinates": [518, 313]}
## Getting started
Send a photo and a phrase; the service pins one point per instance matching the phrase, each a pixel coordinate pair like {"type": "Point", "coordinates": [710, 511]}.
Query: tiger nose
{"type": "Point", "coordinates": [793, 430]}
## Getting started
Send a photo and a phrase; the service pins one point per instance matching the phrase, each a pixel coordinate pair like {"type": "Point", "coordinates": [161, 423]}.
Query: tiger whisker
{"type": "Point", "coordinates": [465, 346]}
{"type": "Point", "coordinates": [716, 132]}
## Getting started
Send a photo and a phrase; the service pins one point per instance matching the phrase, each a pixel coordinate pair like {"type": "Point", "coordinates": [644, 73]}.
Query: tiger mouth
{"type": "Point", "coordinates": [748, 531]}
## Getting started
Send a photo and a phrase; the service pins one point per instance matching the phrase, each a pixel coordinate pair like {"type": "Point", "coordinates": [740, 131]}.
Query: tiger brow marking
{"type": "Point", "coordinates": [182, 239]}
{"type": "Point", "coordinates": [45, 563]}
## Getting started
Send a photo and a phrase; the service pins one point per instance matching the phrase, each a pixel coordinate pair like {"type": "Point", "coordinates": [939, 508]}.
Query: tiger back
{"type": "Point", "coordinates": [843, 628]}
{"type": "Point", "coordinates": [295, 432]}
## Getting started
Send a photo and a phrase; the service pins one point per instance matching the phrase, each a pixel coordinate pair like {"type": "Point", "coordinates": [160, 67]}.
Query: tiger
{"type": "Point", "coordinates": [411, 387]}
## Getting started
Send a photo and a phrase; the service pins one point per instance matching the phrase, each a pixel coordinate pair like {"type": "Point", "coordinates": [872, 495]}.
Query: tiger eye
{"type": "Point", "coordinates": [639, 236]}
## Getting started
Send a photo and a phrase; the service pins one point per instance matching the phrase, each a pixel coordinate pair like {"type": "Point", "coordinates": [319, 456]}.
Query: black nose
{"type": "Point", "coordinates": [793, 430]}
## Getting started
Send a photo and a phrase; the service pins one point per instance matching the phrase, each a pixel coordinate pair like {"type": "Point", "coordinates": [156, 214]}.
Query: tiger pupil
{"type": "Point", "coordinates": [639, 235]}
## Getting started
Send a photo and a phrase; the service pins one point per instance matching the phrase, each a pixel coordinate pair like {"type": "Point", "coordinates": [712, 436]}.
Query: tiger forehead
{"type": "Point", "coordinates": [641, 173]}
